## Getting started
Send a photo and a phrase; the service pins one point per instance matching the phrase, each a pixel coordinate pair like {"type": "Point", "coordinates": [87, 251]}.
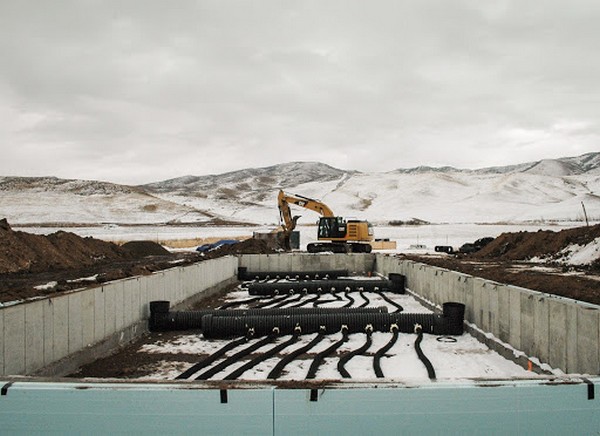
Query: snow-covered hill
{"type": "Point", "coordinates": [550, 189]}
{"type": "Point", "coordinates": [27, 200]}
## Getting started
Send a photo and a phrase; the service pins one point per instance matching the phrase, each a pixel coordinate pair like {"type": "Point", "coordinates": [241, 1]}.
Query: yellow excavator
{"type": "Point", "coordinates": [343, 236]}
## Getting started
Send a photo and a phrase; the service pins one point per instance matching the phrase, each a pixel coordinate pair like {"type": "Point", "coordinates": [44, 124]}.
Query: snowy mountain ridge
{"type": "Point", "coordinates": [549, 189]}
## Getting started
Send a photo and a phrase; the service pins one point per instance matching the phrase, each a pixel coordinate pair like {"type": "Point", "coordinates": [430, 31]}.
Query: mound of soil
{"type": "Point", "coordinates": [25, 252]}
{"type": "Point", "coordinates": [145, 248]}
{"type": "Point", "coordinates": [247, 246]}
{"type": "Point", "coordinates": [543, 243]}
{"type": "Point", "coordinates": [506, 260]}
{"type": "Point", "coordinates": [37, 265]}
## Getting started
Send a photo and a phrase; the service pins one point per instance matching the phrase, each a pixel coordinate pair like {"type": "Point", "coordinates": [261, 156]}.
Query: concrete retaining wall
{"type": "Point", "coordinates": [359, 263]}
{"type": "Point", "coordinates": [40, 333]}
{"type": "Point", "coordinates": [561, 332]}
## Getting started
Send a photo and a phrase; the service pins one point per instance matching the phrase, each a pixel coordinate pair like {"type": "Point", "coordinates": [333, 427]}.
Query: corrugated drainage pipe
{"type": "Point", "coordinates": [244, 274]}
{"type": "Point", "coordinates": [369, 285]}
{"type": "Point", "coordinates": [225, 327]}
{"type": "Point", "coordinates": [161, 319]}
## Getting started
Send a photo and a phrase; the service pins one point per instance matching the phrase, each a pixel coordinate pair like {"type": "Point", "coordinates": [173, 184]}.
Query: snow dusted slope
{"type": "Point", "coordinates": [544, 190]}
{"type": "Point", "coordinates": [26, 200]}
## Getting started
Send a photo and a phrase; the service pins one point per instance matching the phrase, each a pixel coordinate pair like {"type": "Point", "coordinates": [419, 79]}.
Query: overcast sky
{"type": "Point", "coordinates": [141, 91]}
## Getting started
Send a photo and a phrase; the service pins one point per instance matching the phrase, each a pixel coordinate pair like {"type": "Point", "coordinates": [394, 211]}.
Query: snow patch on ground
{"type": "Point", "coordinates": [465, 359]}
{"type": "Point", "coordinates": [575, 254]}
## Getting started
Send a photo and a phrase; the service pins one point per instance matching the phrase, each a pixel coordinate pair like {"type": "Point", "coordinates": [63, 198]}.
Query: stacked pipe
{"type": "Point", "coordinates": [244, 274]}
{"type": "Point", "coordinates": [162, 319]}
{"type": "Point", "coordinates": [449, 323]}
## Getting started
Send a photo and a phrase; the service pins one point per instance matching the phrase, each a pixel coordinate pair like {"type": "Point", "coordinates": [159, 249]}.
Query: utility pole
{"type": "Point", "coordinates": [585, 215]}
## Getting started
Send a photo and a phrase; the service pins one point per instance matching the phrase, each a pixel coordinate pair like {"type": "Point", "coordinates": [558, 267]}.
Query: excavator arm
{"type": "Point", "coordinates": [288, 222]}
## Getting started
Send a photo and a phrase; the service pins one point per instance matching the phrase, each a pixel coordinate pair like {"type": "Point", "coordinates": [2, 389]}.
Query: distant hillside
{"type": "Point", "coordinates": [550, 189]}
{"type": "Point", "coordinates": [34, 200]}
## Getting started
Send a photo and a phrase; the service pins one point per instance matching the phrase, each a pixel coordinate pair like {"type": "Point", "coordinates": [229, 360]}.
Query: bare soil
{"type": "Point", "coordinates": [507, 259]}
{"type": "Point", "coordinates": [38, 265]}
{"type": "Point", "coordinates": [28, 261]}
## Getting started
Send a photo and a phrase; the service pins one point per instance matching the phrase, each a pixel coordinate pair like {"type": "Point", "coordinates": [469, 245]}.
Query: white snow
{"type": "Point", "coordinates": [47, 286]}
{"type": "Point", "coordinates": [465, 359]}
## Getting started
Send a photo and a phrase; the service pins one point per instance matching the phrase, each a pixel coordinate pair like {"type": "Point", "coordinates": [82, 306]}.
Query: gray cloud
{"type": "Point", "coordinates": [138, 91]}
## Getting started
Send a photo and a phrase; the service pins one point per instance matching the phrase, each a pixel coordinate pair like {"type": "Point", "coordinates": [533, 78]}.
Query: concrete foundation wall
{"type": "Point", "coordinates": [560, 332]}
{"type": "Point", "coordinates": [358, 263]}
{"type": "Point", "coordinates": [38, 334]}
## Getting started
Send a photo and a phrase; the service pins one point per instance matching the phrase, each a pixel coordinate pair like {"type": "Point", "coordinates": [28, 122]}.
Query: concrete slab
{"type": "Point", "coordinates": [571, 335]}
{"type": "Point", "coordinates": [480, 301]}
{"type": "Point", "coordinates": [14, 340]}
{"type": "Point", "coordinates": [527, 322]}
{"type": "Point", "coordinates": [75, 323]}
{"type": "Point", "coordinates": [588, 340]}
{"type": "Point", "coordinates": [503, 313]}
{"type": "Point", "coordinates": [128, 290]}
{"type": "Point", "coordinates": [87, 317]}
{"type": "Point", "coordinates": [3, 342]}
{"type": "Point", "coordinates": [493, 305]}
{"type": "Point", "coordinates": [60, 323]}
{"type": "Point", "coordinates": [99, 321]}
{"type": "Point", "coordinates": [540, 329]}
{"type": "Point", "coordinates": [514, 316]}
{"type": "Point", "coordinates": [119, 309]}
{"type": "Point", "coordinates": [34, 336]}
{"type": "Point", "coordinates": [110, 323]}
{"type": "Point", "coordinates": [557, 334]}
{"type": "Point", "coordinates": [48, 309]}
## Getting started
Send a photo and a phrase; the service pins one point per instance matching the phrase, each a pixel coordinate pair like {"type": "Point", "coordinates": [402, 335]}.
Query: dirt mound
{"type": "Point", "coordinates": [20, 251]}
{"type": "Point", "coordinates": [145, 248]}
{"type": "Point", "coordinates": [543, 243]}
{"type": "Point", "coordinates": [247, 246]}
{"type": "Point", "coordinates": [34, 265]}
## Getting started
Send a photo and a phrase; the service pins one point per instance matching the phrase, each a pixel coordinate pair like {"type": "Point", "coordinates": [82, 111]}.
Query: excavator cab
{"type": "Point", "coordinates": [332, 227]}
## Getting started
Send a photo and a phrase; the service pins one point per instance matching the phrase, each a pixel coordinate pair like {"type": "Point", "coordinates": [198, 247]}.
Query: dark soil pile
{"type": "Point", "coordinates": [145, 248]}
{"type": "Point", "coordinates": [504, 260]}
{"type": "Point", "coordinates": [247, 246]}
{"type": "Point", "coordinates": [543, 243]}
{"type": "Point", "coordinates": [37, 265]}
{"type": "Point", "coordinates": [20, 251]}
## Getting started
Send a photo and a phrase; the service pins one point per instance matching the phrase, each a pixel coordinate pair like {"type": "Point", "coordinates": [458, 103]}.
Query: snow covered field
{"type": "Point", "coordinates": [405, 236]}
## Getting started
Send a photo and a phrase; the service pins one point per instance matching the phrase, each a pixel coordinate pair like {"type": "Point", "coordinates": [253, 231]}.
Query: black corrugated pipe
{"type": "Point", "coordinates": [244, 274]}
{"type": "Point", "coordinates": [341, 366]}
{"type": "Point", "coordinates": [224, 327]}
{"type": "Point", "coordinates": [454, 316]}
{"type": "Point", "coordinates": [163, 320]}
{"type": "Point", "coordinates": [370, 285]}
{"type": "Point", "coordinates": [398, 281]}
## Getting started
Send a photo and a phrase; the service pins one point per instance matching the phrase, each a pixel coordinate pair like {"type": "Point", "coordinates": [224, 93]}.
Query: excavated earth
{"type": "Point", "coordinates": [514, 258]}
{"type": "Point", "coordinates": [38, 265]}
